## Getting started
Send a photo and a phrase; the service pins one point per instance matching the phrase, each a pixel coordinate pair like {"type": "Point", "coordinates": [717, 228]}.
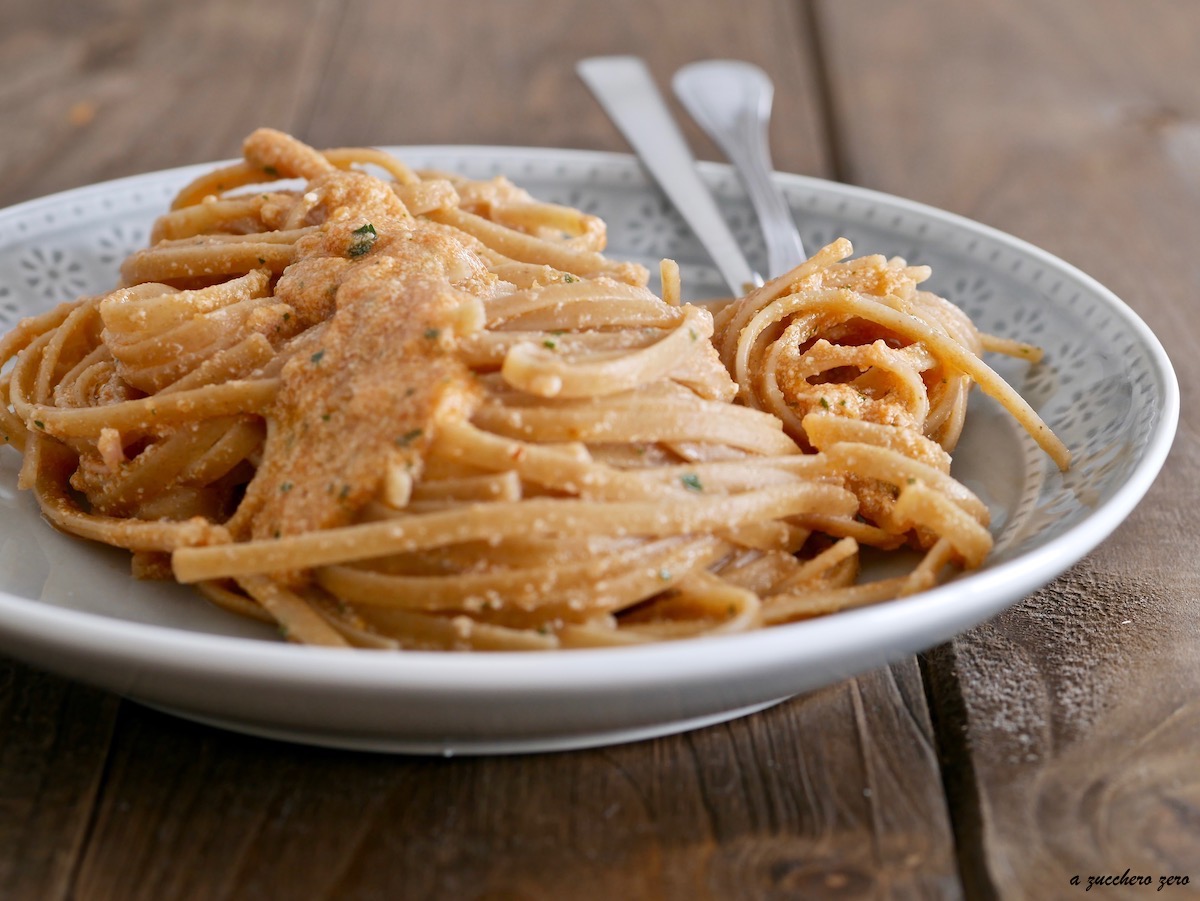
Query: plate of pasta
{"type": "Point", "coordinates": [462, 450]}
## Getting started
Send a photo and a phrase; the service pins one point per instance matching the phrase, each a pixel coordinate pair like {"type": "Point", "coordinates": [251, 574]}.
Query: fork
{"type": "Point", "coordinates": [627, 92]}
{"type": "Point", "coordinates": [731, 101]}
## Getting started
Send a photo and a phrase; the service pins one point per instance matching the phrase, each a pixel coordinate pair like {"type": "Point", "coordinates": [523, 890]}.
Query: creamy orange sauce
{"type": "Point", "coordinates": [397, 295]}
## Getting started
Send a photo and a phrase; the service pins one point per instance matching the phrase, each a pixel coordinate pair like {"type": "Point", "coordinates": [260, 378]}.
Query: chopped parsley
{"type": "Point", "coordinates": [364, 240]}
{"type": "Point", "coordinates": [271, 171]}
{"type": "Point", "coordinates": [824, 403]}
{"type": "Point", "coordinates": [433, 334]}
{"type": "Point", "coordinates": [325, 417]}
{"type": "Point", "coordinates": [691, 481]}
{"type": "Point", "coordinates": [409, 437]}
{"type": "Point", "coordinates": [568, 278]}
{"type": "Point", "coordinates": [550, 343]}
{"type": "Point", "coordinates": [316, 358]}
{"type": "Point", "coordinates": [285, 487]}
{"type": "Point", "coordinates": [39, 423]}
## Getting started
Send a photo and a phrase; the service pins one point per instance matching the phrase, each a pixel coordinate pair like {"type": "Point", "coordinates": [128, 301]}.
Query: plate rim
{"type": "Point", "coordinates": [573, 671]}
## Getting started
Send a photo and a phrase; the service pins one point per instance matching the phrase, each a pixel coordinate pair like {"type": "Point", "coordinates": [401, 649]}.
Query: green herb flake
{"type": "Point", "coordinates": [568, 278]}
{"type": "Point", "coordinates": [325, 417]}
{"type": "Point", "coordinates": [911, 480]}
{"type": "Point", "coordinates": [316, 358]}
{"type": "Point", "coordinates": [364, 240]}
{"type": "Point", "coordinates": [824, 403]}
{"type": "Point", "coordinates": [39, 423]}
{"type": "Point", "coordinates": [691, 481]}
{"type": "Point", "coordinates": [550, 343]}
{"type": "Point", "coordinates": [409, 437]}
{"type": "Point", "coordinates": [285, 487]}
{"type": "Point", "coordinates": [344, 493]}
{"type": "Point", "coordinates": [287, 316]}
{"type": "Point", "coordinates": [433, 334]}
{"type": "Point", "coordinates": [692, 334]}
{"type": "Point", "coordinates": [261, 261]}
{"type": "Point", "coordinates": [271, 171]}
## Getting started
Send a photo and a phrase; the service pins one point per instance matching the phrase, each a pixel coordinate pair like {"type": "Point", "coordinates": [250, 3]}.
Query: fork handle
{"type": "Point", "coordinates": [627, 92]}
{"type": "Point", "coordinates": [731, 101]}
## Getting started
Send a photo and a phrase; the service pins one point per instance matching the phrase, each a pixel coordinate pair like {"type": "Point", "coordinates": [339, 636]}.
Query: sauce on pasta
{"type": "Point", "coordinates": [400, 409]}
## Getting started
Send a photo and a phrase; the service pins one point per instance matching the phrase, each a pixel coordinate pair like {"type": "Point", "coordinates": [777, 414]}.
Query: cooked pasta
{"type": "Point", "coordinates": [396, 409]}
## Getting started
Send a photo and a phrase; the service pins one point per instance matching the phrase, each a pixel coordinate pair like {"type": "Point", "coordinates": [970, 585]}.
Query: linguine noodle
{"type": "Point", "coordinates": [397, 409]}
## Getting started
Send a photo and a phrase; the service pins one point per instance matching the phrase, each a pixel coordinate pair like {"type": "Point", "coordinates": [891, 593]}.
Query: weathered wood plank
{"type": "Point", "coordinates": [1073, 125]}
{"type": "Point", "coordinates": [54, 740]}
{"type": "Point", "coordinates": [121, 87]}
{"type": "Point", "coordinates": [504, 74]}
{"type": "Point", "coordinates": [821, 796]}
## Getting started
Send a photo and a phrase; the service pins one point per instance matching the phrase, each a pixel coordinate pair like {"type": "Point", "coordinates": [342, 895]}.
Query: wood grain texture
{"type": "Point", "coordinates": [137, 85]}
{"type": "Point", "coordinates": [54, 740]}
{"type": "Point", "coordinates": [833, 795]}
{"type": "Point", "coordinates": [815, 798]}
{"type": "Point", "coordinates": [504, 73]}
{"type": "Point", "coordinates": [1075, 125]}
{"type": "Point", "coordinates": [126, 86]}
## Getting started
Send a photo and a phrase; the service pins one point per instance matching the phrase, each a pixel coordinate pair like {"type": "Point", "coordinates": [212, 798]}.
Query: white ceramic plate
{"type": "Point", "coordinates": [1106, 387]}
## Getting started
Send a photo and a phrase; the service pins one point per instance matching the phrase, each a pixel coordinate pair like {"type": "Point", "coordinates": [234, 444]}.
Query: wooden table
{"type": "Point", "coordinates": [1061, 739]}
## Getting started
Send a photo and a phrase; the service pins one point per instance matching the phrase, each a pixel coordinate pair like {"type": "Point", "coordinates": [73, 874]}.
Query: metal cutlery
{"type": "Point", "coordinates": [627, 92]}
{"type": "Point", "coordinates": [731, 101]}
